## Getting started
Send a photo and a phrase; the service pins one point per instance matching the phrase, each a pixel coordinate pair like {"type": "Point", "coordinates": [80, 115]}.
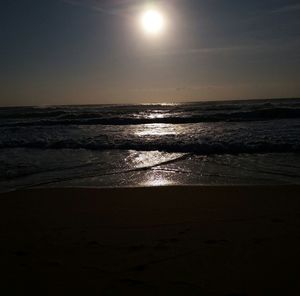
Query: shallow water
{"type": "Point", "coordinates": [254, 142]}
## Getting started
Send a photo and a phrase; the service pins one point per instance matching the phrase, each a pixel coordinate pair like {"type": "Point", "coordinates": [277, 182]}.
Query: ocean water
{"type": "Point", "coordinates": [212, 143]}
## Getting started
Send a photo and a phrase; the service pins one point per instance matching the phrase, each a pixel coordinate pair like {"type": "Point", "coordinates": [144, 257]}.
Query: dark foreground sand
{"type": "Point", "coordinates": [151, 241]}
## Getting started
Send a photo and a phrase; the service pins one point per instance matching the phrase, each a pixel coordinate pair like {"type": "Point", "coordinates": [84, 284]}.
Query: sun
{"type": "Point", "coordinates": [153, 22]}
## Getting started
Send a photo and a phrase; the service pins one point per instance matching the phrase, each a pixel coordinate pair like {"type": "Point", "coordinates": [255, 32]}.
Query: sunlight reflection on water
{"type": "Point", "coordinates": [158, 129]}
{"type": "Point", "coordinates": [148, 159]}
{"type": "Point", "coordinates": [155, 158]}
{"type": "Point", "coordinates": [148, 163]}
{"type": "Point", "coordinates": [157, 179]}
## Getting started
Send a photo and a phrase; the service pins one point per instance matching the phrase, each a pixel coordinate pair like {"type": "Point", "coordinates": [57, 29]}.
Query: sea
{"type": "Point", "coordinates": [255, 142]}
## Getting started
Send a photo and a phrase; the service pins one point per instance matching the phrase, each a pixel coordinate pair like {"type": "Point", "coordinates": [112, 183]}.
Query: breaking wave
{"type": "Point", "coordinates": [84, 119]}
{"type": "Point", "coordinates": [200, 128]}
{"type": "Point", "coordinates": [202, 148]}
{"type": "Point", "coordinates": [149, 114]}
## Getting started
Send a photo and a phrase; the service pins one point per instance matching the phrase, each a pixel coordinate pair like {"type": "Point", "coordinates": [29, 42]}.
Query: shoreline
{"type": "Point", "coordinates": [197, 240]}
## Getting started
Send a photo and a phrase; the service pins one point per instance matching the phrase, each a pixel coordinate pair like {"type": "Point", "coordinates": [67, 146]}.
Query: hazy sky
{"type": "Point", "coordinates": [89, 51]}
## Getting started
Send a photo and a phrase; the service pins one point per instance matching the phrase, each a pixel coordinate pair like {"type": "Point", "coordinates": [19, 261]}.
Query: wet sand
{"type": "Point", "coordinates": [151, 241]}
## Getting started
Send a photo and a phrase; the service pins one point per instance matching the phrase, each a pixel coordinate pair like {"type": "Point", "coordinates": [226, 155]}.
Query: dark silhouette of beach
{"type": "Point", "coordinates": [151, 241]}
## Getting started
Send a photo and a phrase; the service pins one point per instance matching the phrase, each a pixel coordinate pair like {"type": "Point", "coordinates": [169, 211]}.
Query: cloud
{"type": "Point", "coordinates": [270, 47]}
{"type": "Point", "coordinates": [216, 50]}
{"type": "Point", "coordinates": [94, 5]}
{"type": "Point", "coordinates": [112, 7]}
{"type": "Point", "coordinates": [286, 9]}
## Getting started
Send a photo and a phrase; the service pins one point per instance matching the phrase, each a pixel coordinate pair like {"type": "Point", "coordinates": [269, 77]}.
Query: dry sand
{"type": "Point", "coordinates": [151, 241]}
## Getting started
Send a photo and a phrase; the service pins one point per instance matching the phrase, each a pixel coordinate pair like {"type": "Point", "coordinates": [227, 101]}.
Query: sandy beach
{"type": "Point", "coordinates": [231, 240]}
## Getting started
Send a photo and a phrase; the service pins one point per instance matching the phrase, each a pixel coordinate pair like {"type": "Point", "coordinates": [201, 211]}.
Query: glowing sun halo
{"type": "Point", "coordinates": [153, 22]}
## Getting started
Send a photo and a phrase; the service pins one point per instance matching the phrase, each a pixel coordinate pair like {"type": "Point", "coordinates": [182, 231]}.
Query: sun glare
{"type": "Point", "coordinates": [153, 22]}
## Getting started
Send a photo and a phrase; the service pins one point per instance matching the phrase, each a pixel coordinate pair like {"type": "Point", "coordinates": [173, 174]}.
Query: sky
{"type": "Point", "coordinates": [95, 51]}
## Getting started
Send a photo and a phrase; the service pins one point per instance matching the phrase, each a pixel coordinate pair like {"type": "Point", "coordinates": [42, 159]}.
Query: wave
{"type": "Point", "coordinates": [181, 118]}
{"type": "Point", "coordinates": [202, 148]}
